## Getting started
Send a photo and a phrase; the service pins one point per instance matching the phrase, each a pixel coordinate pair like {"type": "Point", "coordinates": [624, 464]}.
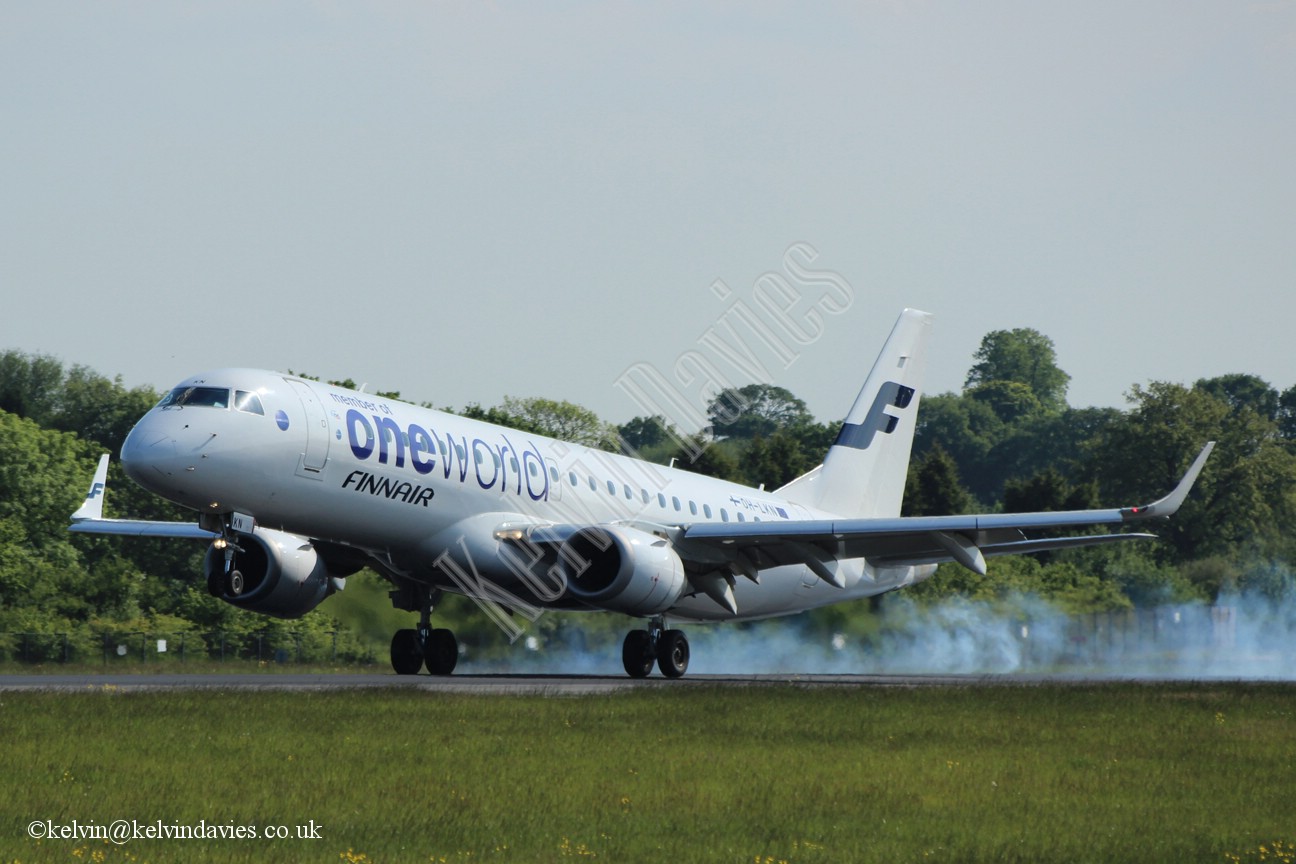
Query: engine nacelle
{"type": "Point", "coordinates": [283, 575]}
{"type": "Point", "coordinates": [622, 570]}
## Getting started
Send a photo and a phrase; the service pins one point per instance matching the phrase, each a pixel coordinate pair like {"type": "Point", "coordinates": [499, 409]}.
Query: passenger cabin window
{"type": "Point", "coordinates": [248, 402]}
{"type": "Point", "coordinates": [206, 397]}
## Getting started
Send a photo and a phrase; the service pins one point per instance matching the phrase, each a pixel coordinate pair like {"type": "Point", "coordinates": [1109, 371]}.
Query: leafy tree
{"type": "Point", "coordinates": [565, 421]}
{"type": "Point", "coordinates": [1024, 356]}
{"type": "Point", "coordinates": [640, 433]}
{"type": "Point", "coordinates": [78, 400]}
{"type": "Point", "coordinates": [1287, 414]}
{"type": "Point", "coordinates": [815, 439]}
{"type": "Point", "coordinates": [1211, 577]}
{"type": "Point", "coordinates": [775, 461]}
{"type": "Point", "coordinates": [101, 410]}
{"type": "Point", "coordinates": [1135, 571]}
{"type": "Point", "coordinates": [1057, 442]}
{"type": "Point", "coordinates": [1245, 494]}
{"type": "Point", "coordinates": [1076, 589]}
{"type": "Point", "coordinates": [757, 409]}
{"type": "Point", "coordinates": [29, 385]}
{"type": "Point", "coordinates": [350, 384]}
{"type": "Point", "coordinates": [1011, 401]}
{"type": "Point", "coordinates": [714, 459]}
{"type": "Point", "coordinates": [933, 487]}
{"type": "Point", "coordinates": [40, 485]}
{"type": "Point", "coordinates": [1243, 392]}
{"type": "Point", "coordinates": [1048, 491]}
{"type": "Point", "coordinates": [968, 431]}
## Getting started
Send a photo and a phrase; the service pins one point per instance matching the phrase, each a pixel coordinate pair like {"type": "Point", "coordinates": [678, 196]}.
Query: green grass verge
{"type": "Point", "coordinates": [1121, 772]}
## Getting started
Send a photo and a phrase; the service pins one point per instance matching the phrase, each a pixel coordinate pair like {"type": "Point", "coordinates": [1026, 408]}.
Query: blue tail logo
{"type": "Point", "coordinates": [860, 435]}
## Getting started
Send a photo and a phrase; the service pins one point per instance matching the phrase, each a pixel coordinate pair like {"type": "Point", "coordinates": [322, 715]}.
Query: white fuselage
{"type": "Point", "coordinates": [400, 482]}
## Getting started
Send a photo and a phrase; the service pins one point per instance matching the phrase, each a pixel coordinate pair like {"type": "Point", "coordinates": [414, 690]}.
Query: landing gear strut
{"type": "Point", "coordinates": [669, 649]}
{"type": "Point", "coordinates": [413, 648]}
{"type": "Point", "coordinates": [229, 581]}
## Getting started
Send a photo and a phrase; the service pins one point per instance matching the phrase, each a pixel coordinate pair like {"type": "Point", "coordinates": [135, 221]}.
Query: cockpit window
{"type": "Point", "coordinates": [209, 397]}
{"type": "Point", "coordinates": [249, 402]}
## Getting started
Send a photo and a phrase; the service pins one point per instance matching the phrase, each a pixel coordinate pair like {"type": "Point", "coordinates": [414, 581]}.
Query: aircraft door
{"type": "Point", "coordinates": [317, 441]}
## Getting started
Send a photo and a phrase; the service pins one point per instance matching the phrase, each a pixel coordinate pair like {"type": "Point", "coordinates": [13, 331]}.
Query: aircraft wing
{"type": "Point", "coordinates": [88, 519]}
{"type": "Point", "coordinates": [917, 540]}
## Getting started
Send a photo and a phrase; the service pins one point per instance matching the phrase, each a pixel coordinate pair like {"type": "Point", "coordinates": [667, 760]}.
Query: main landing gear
{"type": "Point", "coordinates": [413, 648]}
{"type": "Point", "coordinates": [669, 649]}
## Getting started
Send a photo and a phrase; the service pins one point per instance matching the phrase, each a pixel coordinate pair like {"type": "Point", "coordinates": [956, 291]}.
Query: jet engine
{"type": "Point", "coordinates": [272, 573]}
{"type": "Point", "coordinates": [622, 570]}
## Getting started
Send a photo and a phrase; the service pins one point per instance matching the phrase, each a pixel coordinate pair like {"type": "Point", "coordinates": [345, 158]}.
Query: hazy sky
{"type": "Point", "coordinates": [462, 201]}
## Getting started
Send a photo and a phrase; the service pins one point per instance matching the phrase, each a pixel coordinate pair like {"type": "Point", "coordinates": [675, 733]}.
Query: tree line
{"type": "Point", "coordinates": [1009, 441]}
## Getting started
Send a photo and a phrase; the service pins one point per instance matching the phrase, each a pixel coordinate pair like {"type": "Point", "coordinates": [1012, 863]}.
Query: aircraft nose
{"type": "Point", "coordinates": [148, 453]}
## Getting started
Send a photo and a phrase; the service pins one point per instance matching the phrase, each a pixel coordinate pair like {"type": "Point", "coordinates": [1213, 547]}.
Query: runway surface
{"type": "Point", "coordinates": [486, 684]}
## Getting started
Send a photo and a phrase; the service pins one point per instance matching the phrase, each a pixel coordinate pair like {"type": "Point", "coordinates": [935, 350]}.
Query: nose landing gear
{"type": "Point", "coordinates": [228, 582]}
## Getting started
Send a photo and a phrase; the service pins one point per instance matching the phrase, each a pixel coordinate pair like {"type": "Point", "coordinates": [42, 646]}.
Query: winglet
{"type": "Point", "coordinates": [92, 507]}
{"type": "Point", "coordinates": [1168, 505]}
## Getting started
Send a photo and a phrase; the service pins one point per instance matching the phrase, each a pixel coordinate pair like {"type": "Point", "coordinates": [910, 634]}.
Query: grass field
{"type": "Point", "coordinates": [1122, 772]}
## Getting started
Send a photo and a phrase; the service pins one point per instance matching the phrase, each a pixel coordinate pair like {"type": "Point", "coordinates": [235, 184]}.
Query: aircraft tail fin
{"type": "Point", "coordinates": [865, 469]}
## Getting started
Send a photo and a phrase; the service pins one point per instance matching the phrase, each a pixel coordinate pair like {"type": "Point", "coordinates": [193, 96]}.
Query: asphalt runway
{"type": "Point", "coordinates": [504, 685]}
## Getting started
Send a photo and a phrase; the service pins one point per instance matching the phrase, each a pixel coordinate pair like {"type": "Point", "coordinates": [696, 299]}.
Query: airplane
{"type": "Point", "coordinates": [299, 484]}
